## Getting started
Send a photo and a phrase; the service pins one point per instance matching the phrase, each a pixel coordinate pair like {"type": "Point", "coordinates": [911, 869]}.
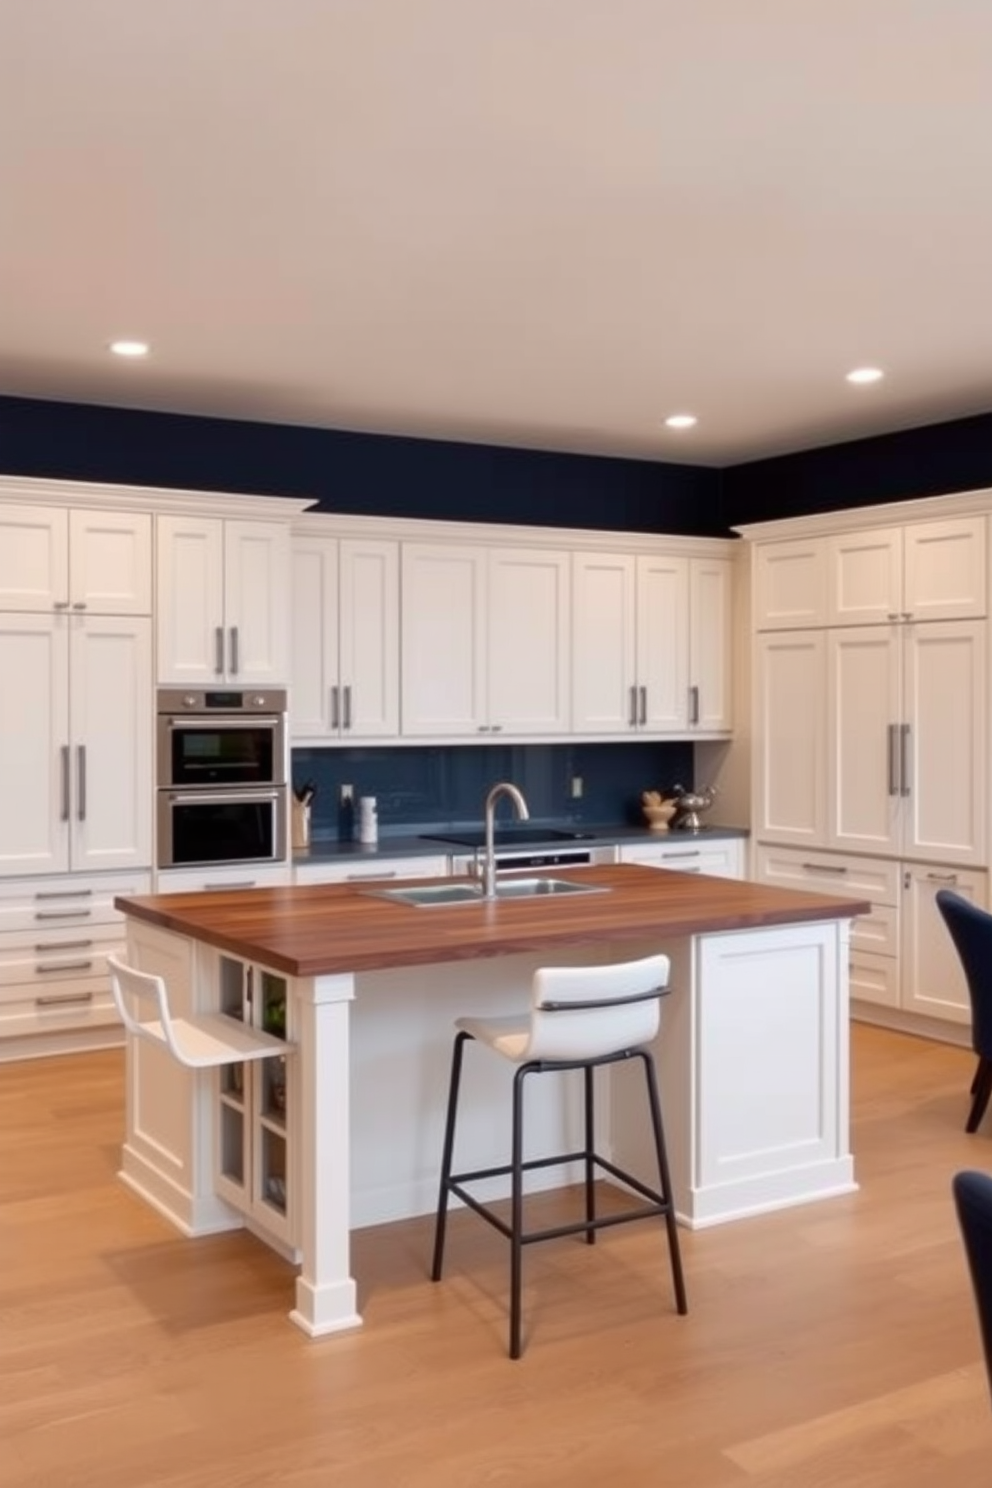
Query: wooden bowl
{"type": "Point", "coordinates": [658, 817]}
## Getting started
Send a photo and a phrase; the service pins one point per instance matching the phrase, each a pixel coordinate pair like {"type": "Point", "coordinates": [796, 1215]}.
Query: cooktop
{"type": "Point", "coordinates": [506, 836]}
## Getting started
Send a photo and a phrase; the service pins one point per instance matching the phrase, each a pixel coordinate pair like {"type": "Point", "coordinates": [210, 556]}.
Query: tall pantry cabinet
{"type": "Point", "coordinates": [870, 727]}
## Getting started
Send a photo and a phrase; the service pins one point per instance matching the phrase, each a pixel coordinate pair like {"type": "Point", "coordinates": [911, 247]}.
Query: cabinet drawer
{"type": "Point", "coordinates": [875, 979]}
{"type": "Point", "coordinates": [877, 931]}
{"type": "Point", "coordinates": [873, 878]}
{"type": "Point", "coordinates": [216, 880]}
{"type": "Point", "coordinates": [371, 868]}
{"type": "Point", "coordinates": [38, 970]}
{"type": "Point", "coordinates": [38, 904]}
{"type": "Point", "coordinates": [35, 1012]}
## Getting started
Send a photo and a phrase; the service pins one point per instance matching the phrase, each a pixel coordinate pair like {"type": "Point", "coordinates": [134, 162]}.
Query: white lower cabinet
{"type": "Point", "coordinates": [720, 859]}
{"type": "Point", "coordinates": [902, 958]}
{"type": "Point", "coordinates": [255, 1140]}
{"type": "Point", "coordinates": [55, 936]}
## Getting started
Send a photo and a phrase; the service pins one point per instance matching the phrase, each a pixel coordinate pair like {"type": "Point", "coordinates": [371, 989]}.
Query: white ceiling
{"type": "Point", "coordinates": [541, 222]}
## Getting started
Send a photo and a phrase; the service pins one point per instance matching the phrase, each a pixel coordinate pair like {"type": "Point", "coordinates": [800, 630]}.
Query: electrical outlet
{"type": "Point", "coordinates": [347, 793]}
{"type": "Point", "coordinates": [577, 787]}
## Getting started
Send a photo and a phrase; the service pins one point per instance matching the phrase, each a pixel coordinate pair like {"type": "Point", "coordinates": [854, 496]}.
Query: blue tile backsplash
{"type": "Point", "coordinates": [420, 786]}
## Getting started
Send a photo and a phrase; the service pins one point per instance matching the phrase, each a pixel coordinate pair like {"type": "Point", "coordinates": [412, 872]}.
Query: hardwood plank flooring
{"type": "Point", "coordinates": [834, 1344]}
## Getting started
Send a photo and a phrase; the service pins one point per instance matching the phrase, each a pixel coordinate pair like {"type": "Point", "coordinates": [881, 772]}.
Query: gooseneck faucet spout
{"type": "Point", "coordinates": [504, 788]}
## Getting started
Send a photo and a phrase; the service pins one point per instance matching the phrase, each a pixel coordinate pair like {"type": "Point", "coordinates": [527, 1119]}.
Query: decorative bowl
{"type": "Point", "coordinates": [659, 817]}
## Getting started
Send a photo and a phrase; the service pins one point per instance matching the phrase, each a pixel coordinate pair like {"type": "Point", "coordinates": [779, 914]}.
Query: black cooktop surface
{"type": "Point", "coordinates": [507, 836]}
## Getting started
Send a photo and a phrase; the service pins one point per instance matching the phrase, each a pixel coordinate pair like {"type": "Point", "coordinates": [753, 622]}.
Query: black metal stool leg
{"type": "Point", "coordinates": [590, 1119]}
{"type": "Point", "coordinates": [981, 1089]}
{"type": "Point", "coordinates": [666, 1182]}
{"type": "Point", "coordinates": [517, 1209]}
{"type": "Point", "coordinates": [446, 1156]}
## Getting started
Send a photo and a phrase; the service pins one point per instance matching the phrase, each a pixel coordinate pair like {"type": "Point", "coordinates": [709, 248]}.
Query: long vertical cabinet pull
{"type": "Point", "coordinates": [335, 709]}
{"type": "Point", "coordinates": [904, 763]}
{"type": "Point", "coordinates": [235, 651]}
{"type": "Point", "coordinates": [893, 759]}
{"type": "Point", "coordinates": [347, 707]}
{"type": "Point", "coordinates": [632, 717]}
{"type": "Point", "coordinates": [64, 755]}
{"type": "Point", "coordinates": [81, 782]}
{"type": "Point", "coordinates": [694, 704]}
{"type": "Point", "coordinates": [219, 650]}
{"type": "Point", "coordinates": [643, 715]}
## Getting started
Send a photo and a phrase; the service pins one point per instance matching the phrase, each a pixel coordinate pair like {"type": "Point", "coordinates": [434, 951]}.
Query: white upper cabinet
{"type": "Point", "coordinates": [485, 641]}
{"type": "Point", "coordinates": [790, 584]}
{"type": "Point", "coordinates": [345, 639]}
{"type": "Point", "coordinates": [53, 558]}
{"type": "Point", "coordinates": [223, 601]}
{"type": "Point", "coordinates": [924, 571]}
{"type": "Point", "coordinates": [651, 644]}
{"type": "Point", "coordinates": [76, 786]}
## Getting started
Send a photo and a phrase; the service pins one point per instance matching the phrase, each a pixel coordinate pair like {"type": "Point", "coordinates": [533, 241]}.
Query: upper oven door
{"type": "Point", "coordinates": [216, 750]}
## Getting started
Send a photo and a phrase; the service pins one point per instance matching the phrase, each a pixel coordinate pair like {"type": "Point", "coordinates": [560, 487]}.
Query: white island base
{"type": "Point", "coordinates": [753, 1065]}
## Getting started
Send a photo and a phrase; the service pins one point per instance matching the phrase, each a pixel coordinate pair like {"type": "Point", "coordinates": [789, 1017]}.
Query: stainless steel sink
{"type": "Point", "coordinates": [426, 895]}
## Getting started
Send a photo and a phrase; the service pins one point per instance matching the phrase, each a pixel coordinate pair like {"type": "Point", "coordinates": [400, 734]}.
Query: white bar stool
{"type": "Point", "coordinates": [580, 1018]}
{"type": "Point", "coordinates": [203, 1042]}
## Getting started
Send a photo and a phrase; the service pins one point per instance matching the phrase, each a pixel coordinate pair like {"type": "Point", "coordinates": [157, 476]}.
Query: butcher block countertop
{"type": "Point", "coordinates": [326, 928]}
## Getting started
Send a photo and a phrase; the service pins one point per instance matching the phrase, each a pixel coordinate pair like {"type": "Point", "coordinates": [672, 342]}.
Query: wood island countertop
{"type": "Point", "coordinates": [331, 928]}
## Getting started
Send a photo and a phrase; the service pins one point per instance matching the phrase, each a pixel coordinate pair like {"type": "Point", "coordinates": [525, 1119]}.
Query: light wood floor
{"type": "Point", "coordinates": [833, 1344]}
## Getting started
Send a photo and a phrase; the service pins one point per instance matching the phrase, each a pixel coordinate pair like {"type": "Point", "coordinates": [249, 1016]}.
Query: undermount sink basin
{"type": "Point", "coordinates": [426, 895]}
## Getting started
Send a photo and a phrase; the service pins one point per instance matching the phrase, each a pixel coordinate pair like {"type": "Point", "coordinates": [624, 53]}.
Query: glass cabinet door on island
{"type": "Point", "coordinates": [253, 1143]}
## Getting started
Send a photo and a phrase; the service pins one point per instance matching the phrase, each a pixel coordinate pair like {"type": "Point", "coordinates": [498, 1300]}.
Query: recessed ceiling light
{"type": "Point", "coordinates": [681, 421]}
{"type": "Point", "coordinates": [865, 375]}
{"type": "Point", "coordinates": [129, 348]}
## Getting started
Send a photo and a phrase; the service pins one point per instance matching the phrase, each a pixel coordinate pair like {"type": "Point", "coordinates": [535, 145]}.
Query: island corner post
{"type": "Point", "coordinates": [752, 1055]}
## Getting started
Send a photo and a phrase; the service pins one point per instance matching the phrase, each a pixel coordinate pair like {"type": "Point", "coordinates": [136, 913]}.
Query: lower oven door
{"type": "Point", "coordinates": [203, 827]}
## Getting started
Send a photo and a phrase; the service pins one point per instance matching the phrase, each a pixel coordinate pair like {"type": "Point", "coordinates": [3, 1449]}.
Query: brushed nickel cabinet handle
{"type": "Point", "coordinates": [54, 1000]}
{"type": "Point", "coordinates": [219, 650]}
{"type": "Point", "coordinates": [246, 883]}
{"type": "Point", "coordinates": [904, 759]}
{"type": "Point", "coordinates": [235, 651]}
{"type": "Point", "coordinates": [335, 709]}
{"type": "Point", "coordinates": [893, 733]}
{"type": "Point", "coordinates": [62, 914]}
{"type": "Point", "coordinates": [947, 878]}
{"type": "Point", "coordinates": [632, 717]}
{"type": "Point", "coordinates": [62, 945]}
{"type": "Point", "coordinates": [81, 782]}
{"type": "Point", "coordinates": [365, 877]}
{"type": "Point", "coordinates": [45, 966]}
{"type": "Point", "coordinates": [347, 706]}
{"type": "Point", "coordinates": [823, 868]}
{"type": "Point", "coordinates": [64, 755]}
{"type": "Point", "coordinates": [643, 715]}
{"type": "Point", "coordinates": [64, 894]}
{"type": "Point", "coordinates": [694, 704]}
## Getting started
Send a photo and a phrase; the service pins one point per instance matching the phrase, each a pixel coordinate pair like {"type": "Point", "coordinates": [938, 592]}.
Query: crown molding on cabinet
{"type": "Point", "coordinates": [583, 539]}
{"type": "Point", "coordinates": [849, 519]}
{"type": "Point", "coordinates": [90, 494]}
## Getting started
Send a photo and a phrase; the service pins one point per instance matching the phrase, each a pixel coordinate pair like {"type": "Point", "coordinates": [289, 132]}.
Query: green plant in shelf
{"type": "Point", "coordinates": [274, 1017]}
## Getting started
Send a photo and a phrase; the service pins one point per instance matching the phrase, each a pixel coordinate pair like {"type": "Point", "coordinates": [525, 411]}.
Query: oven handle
{"type": "Point", "coordinates": [217, 798]}
{"type": "Point", "coordinates": [224, 720]}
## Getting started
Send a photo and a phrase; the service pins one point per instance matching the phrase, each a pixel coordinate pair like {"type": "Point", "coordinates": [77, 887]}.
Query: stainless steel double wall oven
{"type": "Point", "coordinates": [222, 777]}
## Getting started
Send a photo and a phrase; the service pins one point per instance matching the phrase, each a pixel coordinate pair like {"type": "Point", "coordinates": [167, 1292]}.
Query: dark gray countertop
{"type": "Point", "coordinates": [419, 845]}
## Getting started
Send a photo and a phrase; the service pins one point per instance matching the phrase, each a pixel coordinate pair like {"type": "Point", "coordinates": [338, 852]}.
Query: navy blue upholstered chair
{"type": "Point", "coordinates": [973, 1201]}
{"type": "Point", "coordinates": [971, 931]}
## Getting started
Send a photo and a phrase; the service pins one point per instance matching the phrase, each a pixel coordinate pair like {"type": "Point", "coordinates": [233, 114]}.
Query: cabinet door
{"type": "Point", "coordinates": [932, 980]}
{"type": "Point", "coordinates": [864, 804]}
{"type": "Point", "coordinates": [946, 764]}
{"type": "Point", "coordinates": [604, 698]}
{"type": "Point", "coordinates": [662, 654]}
{"type": "Point", "coordinates": [529, 670]}
{"type": "Point", "coordinates": [442, 683]}
{"type": "Point", "coordinates": [711, 695]}
{"type": "Point", "coordinates": [34, 558]}
{"type": "Point", "coordinates": [110, 706]}
{"type": "Point", "coordinates": [790, 584]}
{"type": "Point", "coordinates": [865, 577]}
{"type": "Point", "coordinates": [256, 602]}
{"type": "Point", "coordinates": [34, 744]}
{"type": "Point", "coordinates": [314, 699]}
{"type": "Point", "coordinates": [790, 797]}
{"type": "Point", "coordinates": [369, 632]}
{"type": "Point", "coordinates": [110, 562]}
{"type": "Point", "coordinates": [945, 569]}
{"type": "Point", "coordinates": [190, 600]}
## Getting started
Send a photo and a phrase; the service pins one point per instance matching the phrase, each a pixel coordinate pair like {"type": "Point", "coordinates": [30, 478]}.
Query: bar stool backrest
{"type": "Point", "coordinates": [585, 1012]}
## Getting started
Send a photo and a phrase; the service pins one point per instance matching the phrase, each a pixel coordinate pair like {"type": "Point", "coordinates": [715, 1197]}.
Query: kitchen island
{"type": "Point", "coordinates": [345, 1130]}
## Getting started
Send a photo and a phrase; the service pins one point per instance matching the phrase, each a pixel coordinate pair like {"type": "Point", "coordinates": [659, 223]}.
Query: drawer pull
{"type": "Point", "coordinates": [948, 878]}
{"type": "Point", "coordinates": [62, 945]}
{"type": "Point", "coordinates": [363, 877]}
{"type": "Point", "coordinates": [65, 894]}
{"type": "Point", "coordinates": [246, 883]}
{"type": "Point", "coordinates": [44, 966]}
{"type": "Point", "coordinates": [63, 999]}
{"type": "Point", "coordinates": [62, 914]}
{"type": "Point", "coordinates": [693, 852]}
{"type": "Point", "coordinates": [823, 868]}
